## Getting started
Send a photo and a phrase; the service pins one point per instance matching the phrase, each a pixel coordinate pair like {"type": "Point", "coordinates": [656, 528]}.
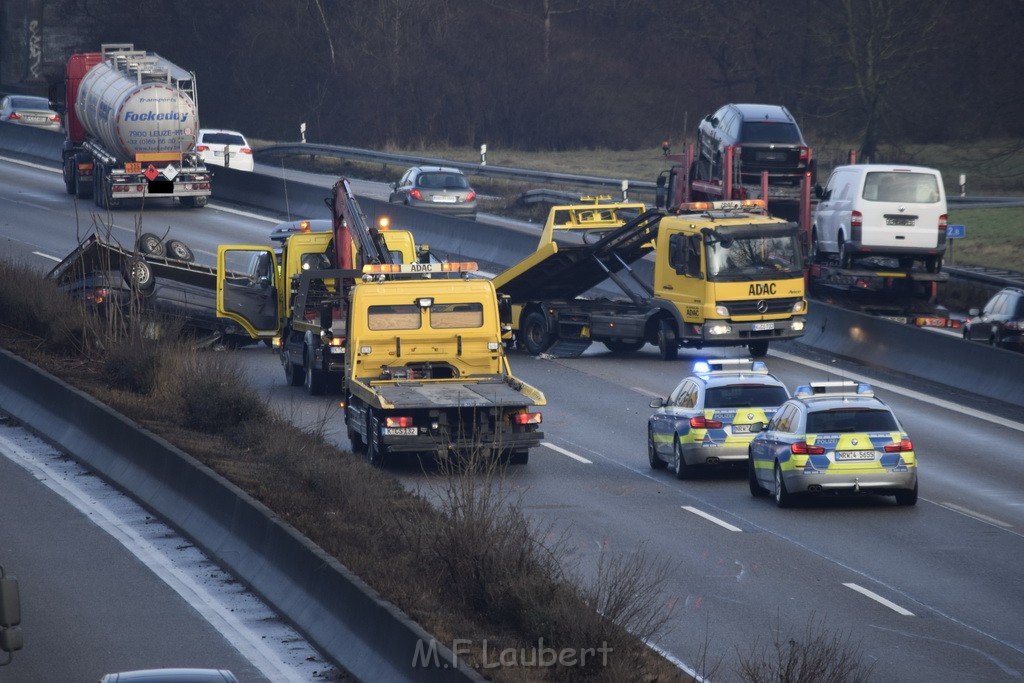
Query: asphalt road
{"type": "Point", "coordinates": [927, 593]}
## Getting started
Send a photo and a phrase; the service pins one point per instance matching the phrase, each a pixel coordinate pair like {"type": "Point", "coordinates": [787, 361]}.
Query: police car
{"type": "Point", "coordinates": [833, 437]}
{"type": "Point", "coordinates": [707, 418]}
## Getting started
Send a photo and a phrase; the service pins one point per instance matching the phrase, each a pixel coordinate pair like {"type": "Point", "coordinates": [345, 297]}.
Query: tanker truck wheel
{"type": "Point", "coordinates": [194, 202]}
{"type": "Point", "coordinates": [69, 175]}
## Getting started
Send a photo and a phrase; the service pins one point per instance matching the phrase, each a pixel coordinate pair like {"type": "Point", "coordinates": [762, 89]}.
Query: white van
{"type": "Point", "coordinates": [881, 210]}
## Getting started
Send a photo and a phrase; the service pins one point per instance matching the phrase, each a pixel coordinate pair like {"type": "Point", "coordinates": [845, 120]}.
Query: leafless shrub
{"type": "Point", "coordinates": [815, 656]}
{"type": "Point", "coordinates": [216, 394]}
{"type": "Point", "coordinates": [32, 305]}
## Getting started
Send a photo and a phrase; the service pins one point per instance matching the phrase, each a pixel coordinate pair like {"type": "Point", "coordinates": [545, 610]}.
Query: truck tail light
{"type": "Point", "coordinates": [856, 219]}
{"type": "Point", "coordinates": [398, 421]}
{"type": "Point", "coordinates": [801, 448]}
{"type": "Point", "coordinates": [903, 445]}
{"type": "Point", "coordinates": [416, 194]}
{"type": "Point", "coordinates": [528, 418]}
{"type": "Point", "coordinates": [943, 219]}
{"type": "Point", "coordinates": [700, 422]}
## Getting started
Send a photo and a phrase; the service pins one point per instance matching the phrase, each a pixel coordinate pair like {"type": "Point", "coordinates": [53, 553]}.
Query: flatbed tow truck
{"type": "Point", "coordinates": [415, 348]}
{"type": "Point", "coordinates": [877, 286]}
{"type": "Point", "coordinates": [713, 282]}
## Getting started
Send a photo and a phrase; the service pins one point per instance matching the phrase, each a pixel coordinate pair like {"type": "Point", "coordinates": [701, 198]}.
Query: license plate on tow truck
{"type": "Point", "coordinates": [764, 327]}
{"type": "Point", "coordinates": [400, 431]}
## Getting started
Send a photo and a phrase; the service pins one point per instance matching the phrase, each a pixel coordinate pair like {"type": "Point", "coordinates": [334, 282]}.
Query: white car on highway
{"type": "Point", "coordinates": [227, 148]}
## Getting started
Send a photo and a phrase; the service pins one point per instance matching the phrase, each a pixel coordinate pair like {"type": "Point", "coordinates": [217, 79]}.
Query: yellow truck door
{"type": "Point", "coordinates": [679, 274]}
{"type": "Point", "coordinates": [248, 283]}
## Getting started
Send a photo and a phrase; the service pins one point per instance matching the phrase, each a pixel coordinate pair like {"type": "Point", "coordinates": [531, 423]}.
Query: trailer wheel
{"type": "Point", "coordinates": [139, 275]}
{"type": "Point", "coordinates": [758, 349]}
{"type": "Point", "coordinates": [150, 245]}
{"type": "Point", "coordinates": [535, 334]}
{"type": "Point", "coordinates": [668, 342]}
{"type": "Point", "coordinates": [315, 379]}
{"type": "Point", "coordinates": [179, 250]}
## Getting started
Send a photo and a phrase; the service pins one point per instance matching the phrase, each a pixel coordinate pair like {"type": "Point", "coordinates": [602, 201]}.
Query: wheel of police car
{"type": "Point", "coordinates": [652, 455]}
{"type": "Point", "coordinates": [783, 498]}
{"type": "Point", "coordinates": [177, 249]}
{"type": "Point", "coordinates": [907, 496]}
{"type": "Point", "coordinates": [150, 245]}
{"type": "Point", "coordinates": [756, 490]}
{"type": "Point", "coordinates": [679, 466]}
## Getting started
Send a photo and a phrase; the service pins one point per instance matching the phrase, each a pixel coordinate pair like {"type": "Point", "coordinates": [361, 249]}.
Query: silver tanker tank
{"type": "Point", "coordinates": [134, 107]}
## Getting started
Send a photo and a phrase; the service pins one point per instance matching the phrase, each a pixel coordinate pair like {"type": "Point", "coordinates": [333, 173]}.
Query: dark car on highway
{"type": "Point", "coordinates": [1001, 322]}
{"type": "Point", "coordinates": [766, 137]}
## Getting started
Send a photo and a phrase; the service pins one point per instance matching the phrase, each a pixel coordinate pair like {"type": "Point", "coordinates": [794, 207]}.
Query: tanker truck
{"type": "Point", "coordinates": [131, 127]}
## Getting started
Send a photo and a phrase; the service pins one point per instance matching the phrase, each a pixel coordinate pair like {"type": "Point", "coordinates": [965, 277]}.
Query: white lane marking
{"type": "Point", "coordinates": [246, 214]}
{"type": "Point", "coordinates": [680, 664]}
{"type": "Point", "coordinates": [974, 515]}
{"type": "Point", "coordinates": [21, 162]}
{"type": "Point", "coordinates": [879, 599]}
{"type": "Point", "coordinates": [711, 518]}
{"type": "Point", "coordinates": [924, 398]}
{"type": "Point", "coordinates": [568, 453]}
{"type": "Point", "coordinates": [52, 258]}
{"type": "Point", "coordinates": [244, 639]}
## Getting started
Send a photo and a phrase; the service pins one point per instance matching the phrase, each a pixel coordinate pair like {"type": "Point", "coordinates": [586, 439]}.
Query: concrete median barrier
{"type": "Point", "coordinates": [344, 618]}
{"type": "Point", "coordinates": [969, 366]}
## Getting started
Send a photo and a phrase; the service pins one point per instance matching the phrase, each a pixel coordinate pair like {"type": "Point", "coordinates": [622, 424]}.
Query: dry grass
{"type": "Point", "coordinates": [470, 568]}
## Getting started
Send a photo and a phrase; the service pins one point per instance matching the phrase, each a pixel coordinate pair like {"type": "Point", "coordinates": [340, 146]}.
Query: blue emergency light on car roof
{"type": "Point", "coordinates": [704, 367]}
{"type": "Point", "coordinates": [840, 388]}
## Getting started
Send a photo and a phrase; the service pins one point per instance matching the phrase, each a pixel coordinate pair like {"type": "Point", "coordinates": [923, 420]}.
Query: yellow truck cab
{"type": "Point", "coordinates": [293, 323]}
{"type": "Point", "coordinates": [724, 274]}
{"type": "Point", "coordinates": [730, 276]}
{"type": "Point", "coordinates": [426, 369]}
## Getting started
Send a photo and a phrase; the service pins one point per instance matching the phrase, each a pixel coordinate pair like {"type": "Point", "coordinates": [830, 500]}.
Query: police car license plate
{"type": "Point", "coordinates": [855, 455]}
{"type": "Point", "coordinates": [445, 199]}
{"type": "Point", "coordinates": [741, 429]}
{"type": "Point", "coordinates": [761, 327]}
{"type": "Point", "coordinates": [400, 431]}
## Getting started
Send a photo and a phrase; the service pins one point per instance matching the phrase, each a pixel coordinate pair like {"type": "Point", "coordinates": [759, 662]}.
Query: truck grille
{"type": "Point", "coordinates": [750, 306]}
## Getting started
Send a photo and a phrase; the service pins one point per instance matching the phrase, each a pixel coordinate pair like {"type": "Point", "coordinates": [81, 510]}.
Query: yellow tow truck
{"type": "Point", "coordinates": [417, 347]}
{"type": "Point", "coordinates": [724, 274]}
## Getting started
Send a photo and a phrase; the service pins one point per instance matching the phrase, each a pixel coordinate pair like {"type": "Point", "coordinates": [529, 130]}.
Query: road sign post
{"type": "Point", "coordinates": [954, 232]}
